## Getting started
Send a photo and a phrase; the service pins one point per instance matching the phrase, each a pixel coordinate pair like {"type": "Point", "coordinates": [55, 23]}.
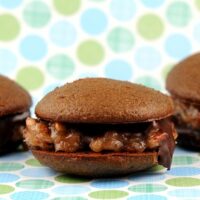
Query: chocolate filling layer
{"type": "Point", "coordinates": [11, 128]}
{"type": "Point", "coordinates": [187, 121]}
{"type": "Point", "coordinates": [141, 137]}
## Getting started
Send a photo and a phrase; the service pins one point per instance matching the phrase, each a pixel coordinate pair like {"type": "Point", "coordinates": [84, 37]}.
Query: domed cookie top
{"type": "Point", "coordinates": [184, 79]}
{"type": "Point", "coordinates": [13, 98]}
{"type": "Point", "coordinates": [101, 100]}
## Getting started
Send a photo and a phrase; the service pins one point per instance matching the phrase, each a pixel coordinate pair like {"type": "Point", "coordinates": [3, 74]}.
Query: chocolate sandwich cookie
{"type": "Point", "coordinates": [14, 109]}
{"type": "Point", "coordinates": [184, 85]}
{"type": "Point", "coordinates": [101, 127]}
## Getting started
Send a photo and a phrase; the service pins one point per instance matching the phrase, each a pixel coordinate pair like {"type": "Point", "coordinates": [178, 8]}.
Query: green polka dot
{"type": "Point", "coordinates": [179, 14]}
{"type": "Point", "coordinates": [70, 179]}
{"type": "Point", "coordinates": [9, 27]}
{"type": "Point", "coordinates": [5, 189]}
{"type": "Point", "coordinates": [165, 71]}
{"type": "Point", "coordinates": [120, 39]}
{"type": "Point", "coordinates": [34, 184]}
{"type": "Point", "coordinates": [157, 168]}
{"type": "Point", "coordinates": [147, 188]}
{"type": "Point", "coordinates": [150, 26]}
{"type": "Point", "coordinates": [149, 82]}
{"type": "Point", "coordinates": [30, 78]}
{"type": "Point", "coordinates": [69, 198]}
{"type": "Point", "coordinates": [33, 162]}
{"type": "Point", "coordinates": [108, 194]}
{"type": "Point", "coordinates": [183, 182]}
{"type": "Point", "coordinates": [60, 66]}
{"type": "Point", "coordinates": [197, 2]}
{"type": "Point", "coordinates": [67, 7]}
{"type": "Point", "coordinates": [184, 160]}
{"type": "Point", "coordinates": [9, 166]}
{"type": "Point", "coordinates": [90, 52]}
{"type": "Point", "coordinates": [36, 14]}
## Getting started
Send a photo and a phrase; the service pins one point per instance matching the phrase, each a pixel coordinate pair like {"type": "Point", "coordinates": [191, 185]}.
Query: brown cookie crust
{"type": "Point", "coordinates": [183, 81]}
{"type": "Point", "coordinates": [13, 98]}
{"type": "Point", "coordinates": [101, 100]}
{"type": "Point", "coordinates": [97, 164]}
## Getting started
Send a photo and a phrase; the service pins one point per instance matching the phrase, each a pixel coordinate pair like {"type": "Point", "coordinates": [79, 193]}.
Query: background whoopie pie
{"type": "Point", "coordinates": [183, 83]}
{"type": "Point", "coordinates": [14, 109]}
{"type": "Point", "coordinates": [100, 127]}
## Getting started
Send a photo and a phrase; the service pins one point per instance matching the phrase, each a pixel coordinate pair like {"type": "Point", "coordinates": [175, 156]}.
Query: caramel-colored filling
{"type": "Point", "coordinates": [187, 114]}
{"type": "Point", "coordinates": [62, 137]}
{"type": "Point", "coordinates": [11, 129]}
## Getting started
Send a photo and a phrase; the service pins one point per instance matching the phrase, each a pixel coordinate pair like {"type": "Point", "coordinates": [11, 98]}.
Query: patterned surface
{"type": "Point", "coordinates": [46, 43]}
{"type": "Point", "coordinates": [22, 177]}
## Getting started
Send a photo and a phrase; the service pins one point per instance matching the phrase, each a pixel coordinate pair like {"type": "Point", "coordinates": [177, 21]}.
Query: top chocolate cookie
{"type": "Point", "coordinates": [101, 100]}
{"type": "Point", "coordinates": [13, 98]}
{"type": "Point", "coordinates": [183, 81]}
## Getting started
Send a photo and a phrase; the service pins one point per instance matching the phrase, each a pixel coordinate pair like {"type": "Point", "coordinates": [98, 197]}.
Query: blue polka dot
{"type": "Point", "coordinates": [147, 177]}
{"type": "Point", "coordinates": [153, 4]}
{"type": "Point", "coordinates": [33, 47]}
{"type": "Point", "coordinates": [184, 193]}
{"type": "Point", "coordinates": [71, 189]}
{"type": "Point", "coordinates": [6, 177]}
{"type": "Point", "coordinates": [10, 3]}
{"type": "Point", "coordinates": [15, 156]}
{"type": "Point", "coordinates": [8, 61]}
{"type": "Point", "coordinates": [184, 171]}
{"type": "Point", "coordinates": [118, 69]}
{"type": "Point", "coordinates": [147, 197]}
{"type": "Point", "coordinates": [109, 183]}
{"type": "Point", "coordinates": [63, 34]}
{"type": "Point", "coordinates": [196, 33]}
{"type": "Point", "coordinates": [30, 195]}
{"type": "Point", "coordinates": [50, 88]}
{"type": "Point", "coordinates": [178, 46]}
{"type": "Point", "coordinates": [149, 81]}
{"type": "Point", "coordinates": [123, 10]}
{"type": "Point", "coordinates": [93, 21]}
{"type": "Point", "coordinates": [148, 58]}
{"type": "Point", "coordinates": [38, 172]}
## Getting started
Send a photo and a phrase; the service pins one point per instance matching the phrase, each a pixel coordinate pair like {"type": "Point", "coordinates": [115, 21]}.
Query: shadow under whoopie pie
{"type": "Point", "coordinates": [14, 109]}
{"type": "Point", "coordinates": [101, 127]}
{"type": "Point", "coordinates": [183, 83]}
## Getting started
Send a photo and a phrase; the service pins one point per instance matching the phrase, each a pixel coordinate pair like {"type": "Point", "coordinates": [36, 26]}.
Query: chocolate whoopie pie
{"type": "Point", "coordinates": [183, 83]}
{"type": "Point", "coordinates": [101, 127]}
{"type": "Point", "coordinates": [14, 109]}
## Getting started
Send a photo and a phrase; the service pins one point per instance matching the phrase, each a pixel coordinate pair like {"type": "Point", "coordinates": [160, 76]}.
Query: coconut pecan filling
{"type": "Point", "coordinates": [187, 121]}
{"type": "Point", "coordinates": [11, 129]}
{"type": "Point", "coordinates": [187, 114]}
{"type": "Point", "coordinates": [70, 138]}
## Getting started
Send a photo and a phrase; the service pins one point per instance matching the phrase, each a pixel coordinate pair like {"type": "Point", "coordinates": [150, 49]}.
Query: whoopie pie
{"type": "Point", "coordinates": [14, 109]}
{"type": "Point", "coordinates": [183, 83]}
{"type": "Point", "coordinates": [102, 127]}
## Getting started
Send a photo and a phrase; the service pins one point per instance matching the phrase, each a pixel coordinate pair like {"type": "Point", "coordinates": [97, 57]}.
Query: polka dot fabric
{"type": "Point", "coordinates": [23, 177]}
{"type": "Point", "coordinates": [44, 44]}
